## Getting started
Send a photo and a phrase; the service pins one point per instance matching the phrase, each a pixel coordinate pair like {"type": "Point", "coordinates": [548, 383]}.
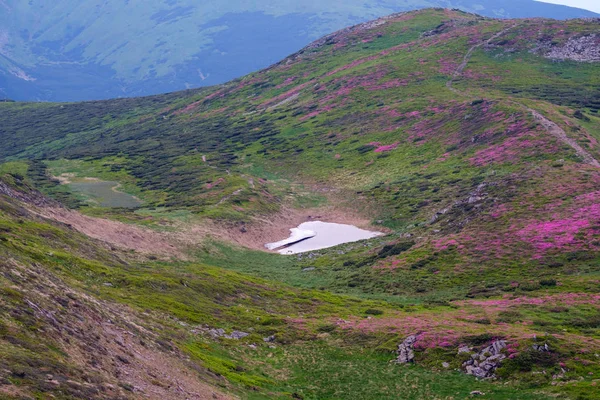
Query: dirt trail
{"type": "Point", "coordinates": [561, 135]}
{"type": "Point", "coordinates": [467, 58]}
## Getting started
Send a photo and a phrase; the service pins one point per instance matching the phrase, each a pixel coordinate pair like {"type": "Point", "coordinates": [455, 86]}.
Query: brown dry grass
{"type": "Point", "coordinates": [118, 234]}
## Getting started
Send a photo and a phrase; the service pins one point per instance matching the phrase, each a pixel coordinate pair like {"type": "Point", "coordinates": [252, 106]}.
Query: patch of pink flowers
{"type": "Point", "coordinates": [329, 107]}
{"type": "Point", "coordinates": [189, 108]}
{"type": "Point", "coordinates": [500, 210]}
{"type": "Point", "coordinates": [285, 83]}
{"type": "Point", "coordinates": [215, 183]}
{"type": "Point", "coordinates": [551, 234]}
{"type": "Point", "coordinates": [352, 65]}
{"type": "Point", "coordinates": [576, 231]}
{"type": "Point", "coordinates": [381, 149]}
{"type": "Point", "coordinates": [444, 244]}
{"type": "Point", "coordinates": [433, 340]}
{"type": "Point", "coordinates": [447, 66]}
{"type": "Point", "coordinates": [286, 95]}
{"type": "Point", "coordinates": [521, 142]}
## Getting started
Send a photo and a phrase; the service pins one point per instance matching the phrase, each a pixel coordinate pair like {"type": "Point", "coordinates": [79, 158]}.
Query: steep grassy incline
{"type": "Point", "coordinates": [472, 141]}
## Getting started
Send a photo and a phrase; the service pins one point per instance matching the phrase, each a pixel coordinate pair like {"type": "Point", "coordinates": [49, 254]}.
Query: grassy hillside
{"type": "Point", "coordinates": [471, 141]}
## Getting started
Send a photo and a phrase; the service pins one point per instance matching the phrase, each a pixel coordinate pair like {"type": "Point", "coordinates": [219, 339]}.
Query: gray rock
{"type": "Point", "coordinates": [474, 199]}
{"type": "Point", "coordinates": [581, 49]}
{"type": "Point", "coordinates": [220, 333]}
{"type": "Point", "coordinates": [541, 347]}
{"type": "Point", "coordinates": [445, 365]}
{"type": "Point", "coordinates": [406, 353]}
{"type": "Point", "coordinates": [269, 339]}
{"type": "Point", "coordinates": [237, 335]}
{"type": "Point", "coordinates": [484, 363]}
{"type": "Point", "coordinates": [216, 333]}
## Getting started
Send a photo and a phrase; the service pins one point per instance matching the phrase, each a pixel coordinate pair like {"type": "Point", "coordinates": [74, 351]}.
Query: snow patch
{"type": "Point", "coordinates": [316, 235]}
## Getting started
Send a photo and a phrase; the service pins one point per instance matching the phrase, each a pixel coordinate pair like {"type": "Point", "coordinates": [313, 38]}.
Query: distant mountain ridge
{"type": "Point", "coordinates": [68, 50]}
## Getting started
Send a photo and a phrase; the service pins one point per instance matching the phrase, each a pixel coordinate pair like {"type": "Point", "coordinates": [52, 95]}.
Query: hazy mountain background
{"type": "Point", "coordinates": [67, 50]}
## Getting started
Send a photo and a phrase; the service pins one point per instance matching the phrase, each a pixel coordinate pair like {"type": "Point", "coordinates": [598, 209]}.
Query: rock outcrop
{"type": "Point", "coordinates": [484, 363]}
{"type": "Point", "coordinates": [582, 49]}
{"type": "Point", "coordinates": [406, 353]}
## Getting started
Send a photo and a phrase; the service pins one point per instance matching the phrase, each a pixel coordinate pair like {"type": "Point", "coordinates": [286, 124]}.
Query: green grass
{"type": "Point", "coordinates": [318, 371]}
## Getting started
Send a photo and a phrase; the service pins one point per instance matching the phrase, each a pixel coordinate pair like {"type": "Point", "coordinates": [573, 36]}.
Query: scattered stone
{"type": "Point", "coordinates": [237, 335]}
{"type": "Point", "coordinates": [484, 363]}
{"type": "Point", "coordinates": [446, 365]}
{"type": "Point", "coordinates": [269, 339]}
{"type": "Point", "coordinates": [308, 269]}
{"type": "Point", "coordinates": [220, 333]}
{"type": "Point", "coordinates": [541, 347]}
{"type": "Point", "coordinates": [252, 346]}
{"type": "Point", "coordinates": [216, 333]}
{"type": "Point", "coordinates": [406, 352]}
{"type": "Point", "coordinates": [477, 393]}
{"type": "Point", "coordinates": [122, 359]}
{"type": "Point", "coordinates": [474, 199]}
{"type": "Point", "coordinates": [464, 349]}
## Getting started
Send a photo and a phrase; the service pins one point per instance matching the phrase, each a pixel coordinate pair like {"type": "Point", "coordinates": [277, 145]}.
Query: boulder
{"type": "Point", "coordinates": [237, 335]}
{"type": "Point", "coordinates": [541, 347]}
{"type": "Point", "coordinates": [484, 363]}
{"type": "Point", "coordinates": [406, 352]}
{"type": "Point", "coordinates": [464, 349]}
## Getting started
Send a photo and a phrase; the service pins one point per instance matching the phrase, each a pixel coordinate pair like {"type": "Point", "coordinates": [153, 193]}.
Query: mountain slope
{"type": "Point", "coordinates": [471, 141]}
{"type": "Point", "coordinates": [84, 320]}
{"type": "Point", "coordinates": [68, 50]}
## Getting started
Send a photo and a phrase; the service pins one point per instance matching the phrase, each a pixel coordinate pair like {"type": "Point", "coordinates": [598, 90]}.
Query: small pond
{"type": "Point", "coordinates": [105, 193]}
{"type": "Point", "coordinates": [317, 235]}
